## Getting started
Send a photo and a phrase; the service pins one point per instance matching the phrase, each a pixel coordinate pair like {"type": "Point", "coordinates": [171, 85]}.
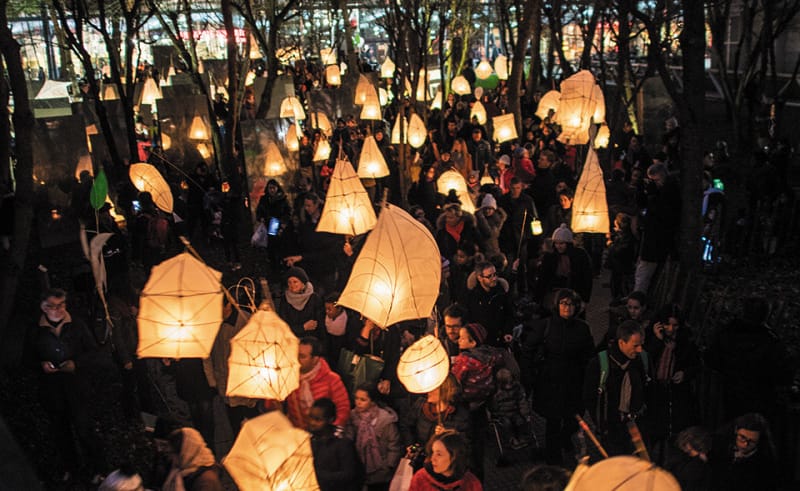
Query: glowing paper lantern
{"type": "Point", "coordinates": [348, 209]}
{"type": "Point", "coordinates": [327, 56]}
{"type": "Point", "coordinates": [383, 96]}
{"type": "Point", "coordinates": [452, 179]}
{"type": "Point", "coordinates": [460, 85]}
{"type": "Point", "coordinates": [505, 128]}
{"type": "Point", "coordinates": [422, 83]}
{"type": "Point", "coordinates": [371, 163]}
{"type": "Point", "coordinates": [333, 76]}
{"type": "Point", "coordinates": [501, 67]}
{"type": "Point", "coordinates": [590, 209]}
{"type": "Point", "coordinates": [204, 151]}
{"type": "Point", "coordinates": [323, 150]}
{"type": "Point", "coordinates": [623, 473]}
{"type": "Point", "coordinates": [180, 309]}
{"type": "Point", "coordinates": [423, 366]}
{"type": "Point", "coordinates": [250, 78]}
{"type": "Point", "coordinates": [263, 361]}
{"type": "Point", "coordinates": [416, 131]}
{"type": "Point", "coordinates": [600, 109]}
{"type": "Point", "coordinates": [110, 92]}
{"type": "Point", "coordinates": [371, 110]}
{"type": "Point", "coordinates": [292, 138]}
{"type": "Point", "coordinates": [270, 454]}
{"type": "Point", "coordinates": [166, 141]}
{"type": "Point", "coordinates": [321, 122]}
{"type": "Point", "coordinates": [437, 100]}
{"type": "Point", "coordinates": [255, 51]}
{"type": "Point", "coordinates": [478, 111]}
{"type": "Point", "coordinates": [273, 161]}
{"type": "Point", "coordinates": [362, 90]}
{"type": "Point", "coordinates": [387, 68]}
{"type": "Point", "coordinates": [150, 92]}
{"type": "Point", "coordinates": [292, 108]}
{"type": "Point", "coordinates": [576, 108]}
{"type": "Point", "coordinates": [548, 101]}
{"type": "Point", "coordinates": [198, 130]}
{"type": "Point", "coordinates": [396, 276]}
{"type": "Point", "coordinates": [603, 136]}
{"type": "Point", "coordinates": [397, 130]}
{"type": "Point", "coordinates": [483, 70]}
{"type": "Point", "coordinates": [145, 177]}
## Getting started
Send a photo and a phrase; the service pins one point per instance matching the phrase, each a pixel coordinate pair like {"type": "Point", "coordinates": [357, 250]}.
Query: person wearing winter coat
{"type": "Point", "coordinates": [566, 266]}
{"type": "Point", "coordinates": [301, 307]}
{"type": "Point", "coordinates": [490, 220]}
{"type": "Point", "coordinates": [447, 466]}
{"type": "Point", "coordinates": [454, 227]}
{"type": "Point", "coordinates": [373, 428]}
{"type": "Point", "coordinates": [194, 467]}
{"type": "Point", "coordinates": [509, 406]}
{"type": "Point", "coordinates": [273, 207]}
{"type": "Point", "coordinates": [336, 463]}
{"type": "Point", "coordinates": [437, 411]}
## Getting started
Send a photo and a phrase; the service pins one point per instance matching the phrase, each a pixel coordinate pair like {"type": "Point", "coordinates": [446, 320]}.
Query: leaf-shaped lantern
{"type": "Point", "coordinates": [145, 177]}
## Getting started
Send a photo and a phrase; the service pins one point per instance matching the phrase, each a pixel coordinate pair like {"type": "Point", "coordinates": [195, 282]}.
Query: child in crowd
{"type": "Point", "coordinates": [510, 409]}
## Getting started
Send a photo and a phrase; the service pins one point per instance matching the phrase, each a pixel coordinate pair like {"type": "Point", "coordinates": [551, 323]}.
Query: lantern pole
{"type": "Point", "coordinates": [522, 231]}
{"type": "Point", "coordinates": [592, 436]}
{"type": "Point", "coordinates": [197, 256]}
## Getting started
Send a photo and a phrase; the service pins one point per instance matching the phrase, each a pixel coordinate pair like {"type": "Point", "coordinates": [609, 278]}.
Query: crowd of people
{"type": "Point", "coordinates": [513, 319]}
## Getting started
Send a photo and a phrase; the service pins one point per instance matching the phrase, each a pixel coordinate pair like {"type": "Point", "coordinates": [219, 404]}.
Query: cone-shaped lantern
{"type": "Point", "coordinates": [347, 210]}
{"type": "Point", "coordinates": [423, 366]}
{"type": "Point", "coordinates": [199, 129]}
{"type": "Point", "coordinates": [333, 75]}
{"type": "Point", "coordinates": [460, 85]}
{"type": "Point", "coordinates": [292, 138]}
{"type": "Point", "coordinates": [383, 96]}
{"type": "Point", "coordinates": [387, 68]}
{"type": "Point", "coordinates": [180, 309]}
{"type": "Point", "coordinates": [576, 108]}
{"type": "Point", "coordinates": [270, 454]}
{"type": "Point", "coordinates": [362, 90]}
{"type": "Point", "coordinates": [150, 92]}
{"type": "Point", "coordinates": [437, 100]}
{"type": "Point", "coordinates": [478, 111]}
{"type": "Point", "coordinates": [603, 136]}
{"type": "Point", "coordinates": [371, 110]}
{"type": "Point", "coordinates": [452, 179]}
{"type": "Point", "coordinates": [501, 67]}
{"type": "Point", "coordinates": [396, 276]}
{"type": "Point", "coordinates": [599, 115]}
{"type": "Point", "coordinates": [274, 164]}
{"type": "Point", "coordinates": [204, 151]}
{"type": "Point", "coordinates": [416, 131]}
{"type": "Point", "coordinates": [320, 121]}
{"type": "Point", "coordinates": [590, 209]}
{"type": "Point", "coordinates": [292, 108]}
{"type": "Point", "coordinates": [396, 130]}
{"type": "Point", "coordinates": [483, 70]}
{"type": "Point", "coordinates": [323, 151]}
{"type": "Point", "coordinates": [263, 361]}
{"type": "Point", "coordinates": [505, 128]}
{"type": "Point", "coordinates": [145, 177]}
{"type": "Point", "coordinates": [371, 163]}
{"type": "Point", "coordinates": [110, 92]}
{"type": "Point", "coordinates": [548, 101]}
{"type": "Point", "coordinates": [622, 473]}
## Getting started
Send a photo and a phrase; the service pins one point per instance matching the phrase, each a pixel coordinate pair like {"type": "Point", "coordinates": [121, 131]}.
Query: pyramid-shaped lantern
{"type": "Point", "coordinates": [292, 138]}
{"type": "Point", "coordinates": [270, 454]}
{"type": "Point", "coordinates": [371, 163]}
{"type": "Point", "coordinates": [362, 90]}
{"type": "Point", "coordinates": [590, 209]}
{"type": "Point", "coordinates": [436, 103]}
{"type": "Point", "coordinates": [387, 68]}
{"type": "Point", "coordinates": [452, 179]}
{"type": "Point", "coordinates": [110, 92]}
{"type": "Point", "coordinates": [291, 107]}
{"type": "Point", "coordinates": [479, 112]}
{"type": "Point", "coordinates": [416, 131]}
{"type": "Point", "coordinates": [263, 361]}
{"type": "Point", "coordinates": [180, 309]}
{"type": "Point", "coordinates": [505, 128]}
{"type": "Point", "coordinates": [323, 151]}
{"type": "Point", "coordinates": [274, 165]}
{"type": "Point", "coordinates": [146, 178]}
{"type": "Point", "coordinates": [396, 276]}
{"type": "Point", "coordinates": [371, 110]}
{"type": "Point", "coordinates": [576, 108]}
{"type": "Point", "coordinates": [199, 129]}
{"type": "Point", "coordinates": [548, 101]}
{"type": "Point", "coordinates": [348, 209]}
{"type": "Point", "coordinates": [501, 67]}
{"type": "Point", "coordinates": [460, 85]}
{"type": "Point", "coordinates": [150, 92]}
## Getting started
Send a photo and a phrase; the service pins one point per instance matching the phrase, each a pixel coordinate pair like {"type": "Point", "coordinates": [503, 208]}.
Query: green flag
{"type": "Point", "coordinates": [99, 190]}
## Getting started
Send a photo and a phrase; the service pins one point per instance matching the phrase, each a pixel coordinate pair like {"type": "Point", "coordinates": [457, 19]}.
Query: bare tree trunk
{"type": "Point", "coordinates": [229, 155]}
{"type": "Point", "coordinates": [528, 28]}
{"type": "Point", "coordinates": [13, 333]}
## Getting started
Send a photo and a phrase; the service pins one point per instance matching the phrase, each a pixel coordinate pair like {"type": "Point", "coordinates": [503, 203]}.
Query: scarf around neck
{"type": "Point", "coordinates": [367, 441]}
{"type": "Point", "coordinates": [299, 300]}
{"type": "Point", "coordinates": [666, 365]}
{"type": "Point", "coordinates": [337, 326]}
{"type": "Point", "coordinates": [306, 396]}
{"type": "Point", "coordinates": [625, 388]}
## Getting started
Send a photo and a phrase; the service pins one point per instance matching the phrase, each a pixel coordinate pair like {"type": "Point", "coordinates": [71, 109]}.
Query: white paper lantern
{"type": "Point", "coordinates": [274, 165]}
{"type": "Point", "coordinates": [423, 366]}
{"type": "Point", "coordinates": [371, 163]}
{"type": "Point", "coordinates": [348, 209]}
{"type": "Point", "coordinates": [603, 136]}
{"type": "Point", "coordinates": [548, 101]}
{"type": "Point", "coordinates": [320, 121]}
{"type": "Point", "coordinates": [333, 76]}
{"type": "Point", "coordinates": [478, 111]}
{"type": "Point", "coordinates": [327, 56]}
{"type": "Point", "coordinates": [363, 89]}
{"type": "Point", "coordinates": [150, 92]}
{"type": "Point", "coordinates": [323, 151]}
{"type": "Point", "coordinates": [590, 208]}
{"type": "Point", "coordinates": [501, 67]}
{"type": "Point", "coordinates": [576, 108]}
{"type": "Point", "coordinates": [146, 178]}
{"type": "Point", "coordinates": [505, 128]}
{"type": "Point", "coordinates": [199, 129]}
{"type": "Point", "coordinates": [437, 100]}
{"type": "Point", "coordinates": [291, 107]}
{"type": "Point", "coordinates": [454, 180]}
{"type": "Point", "coordinates": [460, 85]}
{"type": "Point", "coordinates": [483, 70]}
{"type": "Point", "coordinates": [387, 68]}
{"type": "Point", "coordinates": [599, 115]}
{"type": "Point", "coordinates": [397, 130]}
{"type": "Point", "coordinates": [371, 110]}
{"type": "Point", "coordinates": [622, 473]}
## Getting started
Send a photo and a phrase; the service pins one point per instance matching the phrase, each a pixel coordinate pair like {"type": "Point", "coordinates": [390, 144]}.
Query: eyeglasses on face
{"type": "Point", "coordinates": [56, 306]}
{"type": "Point", "coordinates": [746, 440]}
{"type": "Point", "coordinates": [489, 276]}
{"type": "Point", "coordinates": [566, 303]}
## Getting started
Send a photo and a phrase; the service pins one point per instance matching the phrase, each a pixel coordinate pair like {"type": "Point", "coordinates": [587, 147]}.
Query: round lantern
{"type": "Point", "coordinates": [348, 209]}
{"type": "Point", "coordinates": [263, 361]}
{"type": "Point", "coordinates": [501, 67]}
{"type": "Point", "coordinates": [180, 309]}
{"type": "Point", "coordinates": [387, 68]}
{"type": "Point", "coordinates": [478, 111]}
{"type": "Point", "coordinates": [274, 164]}
{"type": "Point", "coordinates": [416, 131]}
{"type": "Point", "coordinates": [199, 129]}
{"type": "Point", "coordinates": [333, 76]}
{"type": "Point", "coordinates": [460, 85]}
{"type": "Point", "coordinates": [323, 150]}
{"type": "Point", "coordinates": [548, 101]}
{"type": "Point", "coordinates": [483, 70]}
{"type": "Point", "coordinates": [623, 473]}
{"type": "Point", "coordinates": [397, 129]}
{"type": "Point", "coordinates": [423, 366]}
{"type": "Point", "coordinates": [371, 163]}
{"type": "Point", "coordinates": [603, 136]}
{"type": "Point", "coordinates": [505, 128]}
{"type": "Point", "coordinates": [146, 177]}
{"type": "Point", "coordinates": [291, 107]}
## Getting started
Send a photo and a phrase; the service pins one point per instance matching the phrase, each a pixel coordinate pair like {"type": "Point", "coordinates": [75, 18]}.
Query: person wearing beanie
{"type": "Point", "coordinates": [454, 227]}
{"type": "Point", "coordinates": [504, 173]}
{"type": "Point", "coordinates": [490, 220]}
{"type": "Point", "coordinates": [301, 307]}
{"type": "Point", "coordinates": [565, 266]}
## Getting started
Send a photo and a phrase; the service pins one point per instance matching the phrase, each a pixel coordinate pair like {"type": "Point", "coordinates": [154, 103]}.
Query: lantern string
{"type": "Point", "coordinates": [187, 176]}
{"type": "Point", "coordinates": [197, 256]}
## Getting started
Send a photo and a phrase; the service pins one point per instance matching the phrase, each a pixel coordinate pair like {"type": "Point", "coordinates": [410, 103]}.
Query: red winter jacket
{"type": "Point", "coordinates": [326, 384]}
{"type": "Point", "coordinates": [424, 481]}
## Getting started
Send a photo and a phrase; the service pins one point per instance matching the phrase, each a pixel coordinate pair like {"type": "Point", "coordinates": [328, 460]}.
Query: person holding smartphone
{"type": "Point", "coordinates": [273, 210]}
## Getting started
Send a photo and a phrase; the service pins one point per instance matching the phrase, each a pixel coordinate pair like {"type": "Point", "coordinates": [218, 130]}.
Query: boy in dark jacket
{"type": "Point", "coordinates": [510, 408]}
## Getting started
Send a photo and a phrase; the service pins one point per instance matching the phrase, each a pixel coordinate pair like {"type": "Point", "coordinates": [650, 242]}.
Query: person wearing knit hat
{"type": "Point", "coordinates": [566, 266]}
{"type": "Point", "coordinates": [297, 272]}
{"type": "Point", "coordinates": [505, 159]}
{"type": "Point", "coordinates": [489, 202]}
{"type": "Point", "coordinates": [301, 307]}
{"type": "Point", "coordinates": [562, 234]}
{"type": "Point", "coordinates": [473, 334]}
